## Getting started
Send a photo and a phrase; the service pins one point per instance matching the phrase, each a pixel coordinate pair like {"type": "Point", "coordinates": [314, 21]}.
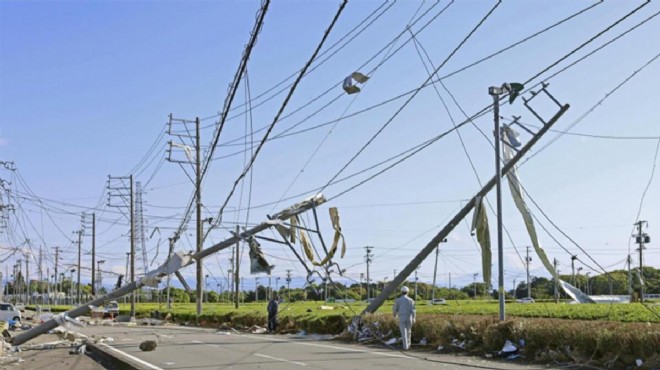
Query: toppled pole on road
{"type": "Point", "coordinates": [430, 247]}
{"type": "Point", "coordinates": [175, 263]}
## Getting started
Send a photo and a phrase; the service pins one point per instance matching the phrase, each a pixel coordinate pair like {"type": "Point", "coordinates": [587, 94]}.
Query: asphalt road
{"type": "Point", "coordinates": [193, 348]}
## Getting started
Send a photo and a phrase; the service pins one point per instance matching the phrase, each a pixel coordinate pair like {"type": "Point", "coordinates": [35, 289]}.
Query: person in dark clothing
{"type": "Point", "coordinates": [273, 307]}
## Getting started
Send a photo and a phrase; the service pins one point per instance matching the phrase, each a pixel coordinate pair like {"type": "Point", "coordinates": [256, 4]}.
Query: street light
{"type": "Point", "coordinates": [513, 89]}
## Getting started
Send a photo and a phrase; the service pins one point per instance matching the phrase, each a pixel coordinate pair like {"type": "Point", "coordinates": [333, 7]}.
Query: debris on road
{"type": "Point", "coordinates": [148, 345]}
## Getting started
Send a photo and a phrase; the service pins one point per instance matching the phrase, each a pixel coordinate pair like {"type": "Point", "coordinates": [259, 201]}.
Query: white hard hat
{"type": "Point", "coordinates": [404, 289]}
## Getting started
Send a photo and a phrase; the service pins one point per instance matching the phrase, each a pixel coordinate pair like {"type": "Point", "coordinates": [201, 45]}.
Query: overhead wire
{"type": "Point", "coordinates": [277, 116]}
{"type": "Point", "coordinates": [325, 138]}
{"type": "Point", "coordinates": [414, 94]}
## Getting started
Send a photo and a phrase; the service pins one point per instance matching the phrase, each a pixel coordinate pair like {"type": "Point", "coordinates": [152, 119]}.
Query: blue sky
{"type": "Point", "coordinates": [86, 89]}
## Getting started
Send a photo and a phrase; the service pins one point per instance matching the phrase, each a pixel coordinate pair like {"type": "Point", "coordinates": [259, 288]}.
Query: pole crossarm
{"type": "Point", "coordinates": [428, 249]}
{"type": "Point", "coordinates": [177, 261]}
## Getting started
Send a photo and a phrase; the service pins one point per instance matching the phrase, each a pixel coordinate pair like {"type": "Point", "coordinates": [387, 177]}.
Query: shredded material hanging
{"type": "Point", "coordinates": [518, 199]}
{"type": "Point", "coordinates": [258, 262]}
{"type": "Point", "coordinates": [480, 225]}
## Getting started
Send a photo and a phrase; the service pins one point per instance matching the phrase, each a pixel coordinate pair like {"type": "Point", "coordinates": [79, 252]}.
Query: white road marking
{"type": "Point", "coordinates": [386, 354]}
{"type": "Point", "coordinates": [280, 359]}
{"type": "Point", "coordinates": [208, 344]}
{"type": "Point", "coordinates": [122, 353]}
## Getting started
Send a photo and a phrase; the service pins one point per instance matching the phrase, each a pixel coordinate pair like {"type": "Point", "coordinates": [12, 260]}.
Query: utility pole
{"type": "Point", "coordinates": [361, 278]}
{"type": "Point", "coordinates": [528, 259]}
{"type": "Point", "coordinates": [288, 284]}
{"type": "Point", "coordinates": [99, 281]}
{"type": "Point", "coordinates": [256, 289]}
{"type": "Point", "coordinates": [27, 278]}
{"type": "Point", "coordinates": [78, 290]}
{"type": "Point", "coordinates": [496, 92]}
{"type": "Point", "coordinates": [368, 258]}
{"type": "Point", "coordinates": [196, 163]}
{"type": "Point", "coordinates": [270, 287]}
{"type": "Point", "coordinates": [117, 188]}
{"type": "Point", "coordinates": [474, 276]}
{"type": "Point", "coordinates": [416, 279]}
{"type": "Point", "coordinates": [587, 289]}
{"type": "Point", "coordinates": [198, 202]}
{"type": "Point", "coordinates": [573, 258]}
{"type": "Point", "coordinates": [169, 255]}
{"type": "Point", "coordinates": [435, 272]}
{"type": "Point", "coordinates": [451, 294]}
{"type": "Point", "coordinates": [555, 263]}
{"type": "Point", "coordinates": [57, 259]}
{"type": "Point", "coordinates": [640, 239]}
{"type": "Point", "coordinates": [236, 270]}
{"type": "Point", "coordinates": [630, 290]}
{"type": "Point", "coordinates": [94, 254]}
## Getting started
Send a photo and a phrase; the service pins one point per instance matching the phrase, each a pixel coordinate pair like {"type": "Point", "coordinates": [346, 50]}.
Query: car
{"type": "Point", "coordinates": [525, 300]}
{"type": "Point", "coordinates": [112, 308]}
{"type": "Point", "coordinates": [438, 301]}
{"type": "Point", "coordinates": [9, 312]}
{"type": "Point", "coordinates": [20, 306]}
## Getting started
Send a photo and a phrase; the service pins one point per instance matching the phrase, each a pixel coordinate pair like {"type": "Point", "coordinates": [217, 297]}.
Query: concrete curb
{"type": "Point", "coordinates": [118, 359]}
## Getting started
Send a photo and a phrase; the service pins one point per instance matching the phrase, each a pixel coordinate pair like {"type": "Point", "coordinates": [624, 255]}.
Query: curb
{"type": "Point", "coordinates": [118, 359]}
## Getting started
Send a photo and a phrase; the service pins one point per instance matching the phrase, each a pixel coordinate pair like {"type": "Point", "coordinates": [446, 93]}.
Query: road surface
{"type": "Point", "coordinates": [194, 348]}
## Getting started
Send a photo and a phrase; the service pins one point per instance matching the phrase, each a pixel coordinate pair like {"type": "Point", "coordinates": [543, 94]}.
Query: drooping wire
{"type": "Point", "coordinates": [277, 116]}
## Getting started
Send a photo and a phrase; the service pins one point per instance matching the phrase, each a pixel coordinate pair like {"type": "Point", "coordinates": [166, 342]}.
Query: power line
{"type": "Point", "coordinates": [412, 96]}
{"type": "Point", "coordinates": [277, 116]}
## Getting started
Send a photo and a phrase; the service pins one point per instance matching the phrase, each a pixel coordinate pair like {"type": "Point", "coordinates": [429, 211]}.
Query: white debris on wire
{"type": "Point", "coordinates": [349, 86]}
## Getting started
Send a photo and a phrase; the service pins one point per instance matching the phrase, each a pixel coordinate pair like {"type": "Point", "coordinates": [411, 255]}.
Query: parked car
{"type": "Point", "coordinates": [112, 308]}
{"type": "Point", "coordinates": [20, 306]}
{"type": "Point", "coordinates": [438, 301]}
{"type": "Point", "coordinates": [525, 300]}
{"type": "Point", "coordinates": [9, 312]}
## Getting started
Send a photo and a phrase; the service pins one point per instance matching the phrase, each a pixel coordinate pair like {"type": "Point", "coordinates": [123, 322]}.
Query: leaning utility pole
{"type": "Point", "coordinates": [368, 256]}
{"type": "Point", "coordinates": [27, 278]}
{"type": "Point", "coordinates": [640, 239]}
{"type": "Point", "coordinates": [172, 265]}
{"type": "Point", "coordinates": [444, 232]}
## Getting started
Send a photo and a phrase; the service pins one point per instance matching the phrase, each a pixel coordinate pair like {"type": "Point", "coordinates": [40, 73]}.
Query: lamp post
{"type": "Point", "coordinates": [513, 89]}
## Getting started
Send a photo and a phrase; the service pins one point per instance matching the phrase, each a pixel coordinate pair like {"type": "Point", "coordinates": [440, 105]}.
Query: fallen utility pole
{"type": "Point", "coordinates": [178, 261]}
{"type": "Point", "coordinates": [428, 249]}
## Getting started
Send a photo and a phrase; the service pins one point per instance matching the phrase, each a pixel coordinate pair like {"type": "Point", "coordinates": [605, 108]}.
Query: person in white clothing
{"type": "Point", "coordinates": [404, 309]}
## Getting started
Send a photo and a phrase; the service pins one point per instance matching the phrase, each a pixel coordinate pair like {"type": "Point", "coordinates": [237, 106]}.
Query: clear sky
{"type": "Point", "coordinates": [86, 89]}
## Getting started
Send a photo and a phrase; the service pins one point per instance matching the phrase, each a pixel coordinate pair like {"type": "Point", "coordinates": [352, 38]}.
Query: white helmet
{"type": "Point", "coordinates": [404, 289]}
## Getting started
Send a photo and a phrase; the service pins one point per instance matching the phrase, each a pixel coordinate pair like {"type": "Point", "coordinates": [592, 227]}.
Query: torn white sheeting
{"type": "Point", "coordinates": [258, 261]}
{"type": "Point", "coordinates": [480, 225]}
{"type": "Point", "coordinates": [349, 86]}
{"type": "Point", "coordinates": [575, 293]}
{"type": "Point", "coordinates": [186, 149]}
{"type": "Point", "coordinates": [518, 198]}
